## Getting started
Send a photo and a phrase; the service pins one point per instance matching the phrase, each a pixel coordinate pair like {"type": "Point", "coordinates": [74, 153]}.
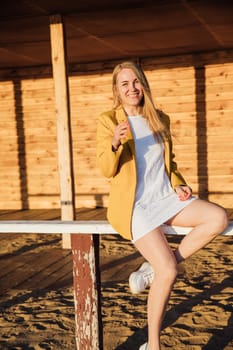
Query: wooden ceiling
{"type": "Point", "coordinates": [99, 31]}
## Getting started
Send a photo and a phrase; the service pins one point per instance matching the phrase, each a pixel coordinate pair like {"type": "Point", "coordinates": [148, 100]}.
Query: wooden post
{"type": "Point", "coordinates": [87, 292]}
{"type": "Point", "coordinates": [62, 105]}
{"type": "Point", "coordinates": [84, 249]}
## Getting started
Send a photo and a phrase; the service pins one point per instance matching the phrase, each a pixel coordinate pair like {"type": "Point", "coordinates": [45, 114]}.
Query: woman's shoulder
{"type": "Point", "coordinates": [114, 115]}
{"type": "Point", "coordinates": [107, 119]}
{"type": "Point", "coordinates": [107, 114]}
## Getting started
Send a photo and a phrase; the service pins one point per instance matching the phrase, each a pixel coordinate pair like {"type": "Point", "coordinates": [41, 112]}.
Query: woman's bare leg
{"type": "Point", "coordinates": [155, 249]}
{"type": "Point", "coordinates": [208, 221]}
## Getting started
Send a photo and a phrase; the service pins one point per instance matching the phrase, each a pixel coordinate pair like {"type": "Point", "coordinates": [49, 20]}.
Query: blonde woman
{"type": "Point", "coordinates": [134, 149]}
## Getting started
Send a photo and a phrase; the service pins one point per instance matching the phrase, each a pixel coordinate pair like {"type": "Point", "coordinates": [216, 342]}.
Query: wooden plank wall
{"type": "Point", "coordinates": [196, 91]}
{"type": "Point", "coordinates": [28, 155]}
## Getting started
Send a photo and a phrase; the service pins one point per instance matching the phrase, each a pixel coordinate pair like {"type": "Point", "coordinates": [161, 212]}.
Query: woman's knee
{"type": "Point", "coordinates": [167, 274]}
{"type": "Point", "coordinates": [219, 220]}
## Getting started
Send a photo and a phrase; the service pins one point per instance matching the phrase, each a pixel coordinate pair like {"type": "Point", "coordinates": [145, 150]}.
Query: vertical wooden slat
{"type": "Point", "coordinates": [61, 90]}
{"type": "Point", "coordinates": [85, 266]}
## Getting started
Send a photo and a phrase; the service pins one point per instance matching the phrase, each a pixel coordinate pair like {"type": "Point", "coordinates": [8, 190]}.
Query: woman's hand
{"type": "Point", "coordinates": [120, 132]}
{"type": "Point", "coordinates": [183, 192]}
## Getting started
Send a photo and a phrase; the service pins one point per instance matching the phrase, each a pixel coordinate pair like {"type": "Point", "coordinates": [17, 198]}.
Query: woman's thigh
{"type": "Point", "coordinates": [155, 248]}
{"type": "Point", "coordinates": [196, 213]}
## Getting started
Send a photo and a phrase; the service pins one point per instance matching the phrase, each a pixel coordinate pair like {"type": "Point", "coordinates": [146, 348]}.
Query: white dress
{"type": "Point", "coordinates": [155, 200]}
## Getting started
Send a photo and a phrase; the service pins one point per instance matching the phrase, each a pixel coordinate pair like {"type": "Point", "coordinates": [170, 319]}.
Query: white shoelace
{"type": "Point", "coordinates": [148, 278]}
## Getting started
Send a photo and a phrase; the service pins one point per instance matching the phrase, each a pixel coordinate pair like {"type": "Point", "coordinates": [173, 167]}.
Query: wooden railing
{"type": "Point", "coordinates": [81, 227]}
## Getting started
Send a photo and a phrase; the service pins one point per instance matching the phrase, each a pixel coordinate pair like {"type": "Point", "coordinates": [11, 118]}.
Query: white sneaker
{"type": "Point", "coordinates": [144, 346]}
{"type": "Point", "coordinates": [141, 279]}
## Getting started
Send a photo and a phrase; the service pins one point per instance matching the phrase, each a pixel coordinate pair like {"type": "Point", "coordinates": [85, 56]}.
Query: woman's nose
{"type": "Point", "coordinates": [132, 86]}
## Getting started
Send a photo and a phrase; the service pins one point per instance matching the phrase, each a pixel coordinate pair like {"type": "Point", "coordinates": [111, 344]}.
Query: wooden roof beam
{"type": "Point", "coordinates": [208, 28]}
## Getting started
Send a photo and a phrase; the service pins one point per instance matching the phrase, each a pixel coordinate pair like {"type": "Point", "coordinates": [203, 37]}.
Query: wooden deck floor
{"type": "Point", "coordinates": [52, 214]}
{"type": "Point", "coordinates": [38, 261]}
{"type": "Point", "coordinates": [41, 258]}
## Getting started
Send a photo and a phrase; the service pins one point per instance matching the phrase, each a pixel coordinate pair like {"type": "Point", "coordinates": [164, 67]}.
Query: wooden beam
{"type": "Point", "coordinates": [203, 22]}
{"type": "Point", "coordinates": [62, 107]}
{"type": "Point", "coordinates": [84, 247]}
{"type": "Point", "coordinates": [81, 227]}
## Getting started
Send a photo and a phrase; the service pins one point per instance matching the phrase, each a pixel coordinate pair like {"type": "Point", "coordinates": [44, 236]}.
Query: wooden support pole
{"type": "Point", "coordinates": [84, 249]}
{"type": "Point", "coordinates": [62, 106]}
{"type": "Point", "coordinates": [87, 287]}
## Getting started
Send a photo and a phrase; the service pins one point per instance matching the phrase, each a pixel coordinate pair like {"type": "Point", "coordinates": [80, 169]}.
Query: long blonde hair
{"type": "Point", "coordinates": [149, 110]}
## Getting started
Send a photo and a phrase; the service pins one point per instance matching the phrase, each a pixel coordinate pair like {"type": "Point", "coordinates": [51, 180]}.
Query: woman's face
{"type": "Point", "coordinates": [129, 88]}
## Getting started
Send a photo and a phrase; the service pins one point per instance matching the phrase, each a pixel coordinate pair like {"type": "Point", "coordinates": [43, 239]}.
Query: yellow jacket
{"type": "Point", "coordinates": [120, 166]}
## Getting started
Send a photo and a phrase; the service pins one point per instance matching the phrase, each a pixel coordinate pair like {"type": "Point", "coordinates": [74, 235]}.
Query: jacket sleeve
{"type": "Point", "coordinates": [175, 176]}
{"type": "Point", "coordinates": [107, 160]}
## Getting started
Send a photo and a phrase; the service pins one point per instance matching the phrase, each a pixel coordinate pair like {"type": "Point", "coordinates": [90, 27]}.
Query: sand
{"type": "Point", "coordinates": [36, 296]}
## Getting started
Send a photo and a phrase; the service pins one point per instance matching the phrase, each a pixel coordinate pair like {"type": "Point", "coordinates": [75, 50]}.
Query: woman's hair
{"type": "Point", "coordinates": [148, 108]}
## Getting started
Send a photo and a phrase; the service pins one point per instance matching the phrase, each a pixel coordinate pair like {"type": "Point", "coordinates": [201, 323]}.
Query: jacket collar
{"type": "Point", "coordinates": [121, 115]}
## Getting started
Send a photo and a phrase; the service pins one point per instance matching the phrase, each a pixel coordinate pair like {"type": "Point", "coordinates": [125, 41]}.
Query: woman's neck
{"type": "Point", "coordinates": [133, 111]}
